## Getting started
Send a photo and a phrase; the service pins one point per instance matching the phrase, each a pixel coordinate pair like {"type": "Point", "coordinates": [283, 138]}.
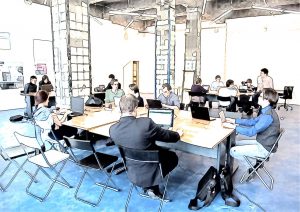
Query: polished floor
{"type": "Point", "coordinates": [284, 166]}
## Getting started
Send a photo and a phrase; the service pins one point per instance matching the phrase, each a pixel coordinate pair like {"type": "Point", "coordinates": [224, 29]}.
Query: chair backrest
{"type": "Point", "coordinates": [74, 143]}
{"type": "Point", "coordinates": [276, 142]}
{"type": "Point", "coordinates": [143, 156]}
{"type": "Point", "coordinates": [27, 140]}
{"type": "Point", "coordinates": [288, 92]}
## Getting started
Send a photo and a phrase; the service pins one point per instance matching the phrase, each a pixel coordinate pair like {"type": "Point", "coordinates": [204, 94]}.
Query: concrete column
{"type": "Point", "coordinates": [71, 46]}
{"type": "Point", "coordinates": [192, 59]}
{"type": "Point", "coordinates": [165, 45]}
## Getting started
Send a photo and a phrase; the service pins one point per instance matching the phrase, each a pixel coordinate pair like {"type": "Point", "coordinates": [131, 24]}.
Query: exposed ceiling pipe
{"type": "Point", "coordinates": [275, 10]}
{"type": "Point", "coordinates": [131, 14]}
{"type": "Point", "coordinates": [222, 15]}
{"type": "Point", "coordinates": [128, 25]}
{"type": "Point", "coordinates": [203, 7]}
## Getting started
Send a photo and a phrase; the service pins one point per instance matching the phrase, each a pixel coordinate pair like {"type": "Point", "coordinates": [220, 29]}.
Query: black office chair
{"type": "Point", "coordinates": [197, 98]}
{"type": "Point", "coordinates": [144, 157]}
{"type": "Point", "coordinates": [287, 94]}
{"type": "Point", "coordinates": [260, 164]}
{"type": "Point", "coordinates": [96, 160]}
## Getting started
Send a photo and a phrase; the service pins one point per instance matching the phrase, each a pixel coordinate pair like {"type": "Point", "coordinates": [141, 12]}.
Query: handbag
{"type": "Point", "coordinates": [93, 101]}
{"type": "Point", "coordinates": [208, 188]}
{"type": "Point", "coordinates": [227, 188]}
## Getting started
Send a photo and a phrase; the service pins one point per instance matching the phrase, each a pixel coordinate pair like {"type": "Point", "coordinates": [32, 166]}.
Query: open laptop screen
{"type": "Point", "coordinates": [77, 104]}
{"type": "Point", "coordinates": [162, 117]}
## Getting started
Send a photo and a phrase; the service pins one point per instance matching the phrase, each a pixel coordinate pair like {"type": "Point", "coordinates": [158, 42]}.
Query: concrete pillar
{"type": "Point", "coordinates": [71, 46]}
{"type": "Point", "coordinates": [192, 59]}
{"type": "Point", "coordinates": [165, 45]}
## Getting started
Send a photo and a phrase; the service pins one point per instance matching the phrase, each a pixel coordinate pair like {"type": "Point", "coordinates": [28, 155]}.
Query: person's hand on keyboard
{"type": "Point", "coordinates": [230, 120]}
{"type": "Point", "coordinates": [180, 132]}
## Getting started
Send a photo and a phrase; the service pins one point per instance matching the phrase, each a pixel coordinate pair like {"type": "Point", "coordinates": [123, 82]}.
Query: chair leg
{"type": "Point", "coordinates": [64, 182]}
{"type": "Point", "coordinates": [128, 197]}
{"type": "Point", "coordinates": [164, 193]}
{"type": "Point", "coordinates": [42, 198]}
{"type": "Point", "coordinates": [109, 179]}
{"type": "Point", "coordinates": [255, 170]}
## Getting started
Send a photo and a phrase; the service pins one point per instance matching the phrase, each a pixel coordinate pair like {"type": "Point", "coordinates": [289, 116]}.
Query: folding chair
{"type": "Point", "coordinates": [260, 164]}
{"type": "Point", "coordinates": [10, 154]}
{"type": "Point", "coordinates": [143, 157]}
{"type": "Point", "coordinates": [48, 159]}
{"type": "Point", "coordinates": [96, 160]}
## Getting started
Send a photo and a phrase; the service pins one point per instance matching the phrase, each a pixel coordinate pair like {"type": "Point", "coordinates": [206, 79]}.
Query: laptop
{"type": "Point", "coordinates": [201, 113]}
{"type": "Point", "coordinates": [77, 106]}
{"type": "Point", "coordinates": [223, 120]}
{"type": "Point", "coordinates": [47, 87]}
{"type": "Point", "coordinates": [162, 117]}
{"type": "Point", "coordinates": [243, 89]}
{"type": "Point", "coordinates": [206, 87]}
{"type": "Point", "coordinates": [154, 103]}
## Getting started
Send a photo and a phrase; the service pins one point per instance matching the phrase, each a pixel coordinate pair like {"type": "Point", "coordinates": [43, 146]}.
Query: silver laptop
{"type": "Point", "coordinates": [47, 87]}
{"type": "Point", "coordinates": [162, 117]}
{"type": "Point", "coordinates": [77, 106]}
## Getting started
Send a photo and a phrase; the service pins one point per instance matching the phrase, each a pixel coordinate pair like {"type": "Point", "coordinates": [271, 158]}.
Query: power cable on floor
{"type": "Point", "coordinates": [254, 203]}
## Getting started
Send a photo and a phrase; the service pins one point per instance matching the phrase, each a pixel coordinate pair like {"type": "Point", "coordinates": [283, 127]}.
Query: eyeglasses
{"type": "Point", "coordinates": [115, 84]}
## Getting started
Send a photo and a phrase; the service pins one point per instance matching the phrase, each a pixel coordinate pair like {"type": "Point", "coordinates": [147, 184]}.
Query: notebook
{"type": "Point", "coordinates": [162, 117]}
{"type": "Point", "coordinates": [47, 87]}
{"type": "Point", "coordinates": [206, 87]}
{"type": "Point", "coordinates": [77, 106]}
{"type": "Point", "coordinates": [201, 113]}
{"type": "Point", "coordinates": [223, 120]}
{"type": "Point", "coordinates": [154, 103]}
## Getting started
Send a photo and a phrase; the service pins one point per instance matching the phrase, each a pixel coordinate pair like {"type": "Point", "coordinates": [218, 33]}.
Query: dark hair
{"type": "Point", "coordinates": [45, 77]}
{"type": "Point", "coordinates": [249, 81]}
{"type": "Point", "coordinates": [41, 97]}
{"type": "Point", "coordinates": [113, 81]}
{"type": "Point", "coordinates": [198, 81]}
{"type": "Point", "coordinates": [33, 77]}
{"type": "Point", "coordinates": [128, 103]}
{"type": "Point", "coordinates": [167, 85]}
{"type": "Point", "coordinates": [134, 88]}
{"type": "Point", "coordinates": [111, 76]}
{"type": "Point", "coordinates": [218, 76]}
{"type": "Point", "coordinates": [271, 95]}
{"type": "Point", "coordinates": [266, 71]}
{"type": "Point", "coordinates": [229, 82]}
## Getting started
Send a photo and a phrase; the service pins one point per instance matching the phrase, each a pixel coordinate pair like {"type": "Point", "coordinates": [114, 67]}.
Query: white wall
{"type": "Point", "coordinates": [25, 23]}
{"type": "Point", "coordinates": [111, 49]}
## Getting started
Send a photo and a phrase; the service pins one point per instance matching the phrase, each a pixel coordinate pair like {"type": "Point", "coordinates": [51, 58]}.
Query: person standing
{"type": "Point", "coordinates": [45, 81]}
{"type": "Point", "coordinates": [263, 81]}
{"type": "Point", "coordinates": [30, 87]}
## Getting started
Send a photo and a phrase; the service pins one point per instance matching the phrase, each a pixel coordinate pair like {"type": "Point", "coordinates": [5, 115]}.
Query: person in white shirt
{"type": "Point", "coordinates": [229, 91]}
{"type": "Point", "coordinates": [215, 85]}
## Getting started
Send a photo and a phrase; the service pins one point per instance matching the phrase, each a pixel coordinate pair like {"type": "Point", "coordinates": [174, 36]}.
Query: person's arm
{"type": "Point", "coordinates": [159, 134]}
{"type": "Point", "coordinates": [262, 124]}
{"type": "Point", "coordinates": [58, 121]}
{"type": "Point", "coordinates": [108, 98]}
{"type": "Point", "coordinates": [170, 107]}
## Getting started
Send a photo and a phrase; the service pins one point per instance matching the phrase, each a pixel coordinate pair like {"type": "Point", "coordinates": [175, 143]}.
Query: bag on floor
{"type": "Point", "coordinates": [93, 101]}
{"type": "Point", "coordinates": [208, 188]}
{"type": "Point", "coordinates": [16, 118]}
{"type": "Point", "coordinates": [227, 188]}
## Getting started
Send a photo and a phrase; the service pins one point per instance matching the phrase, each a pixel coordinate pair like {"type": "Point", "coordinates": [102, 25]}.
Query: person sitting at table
{"type": "Point", "coordinates": [229, 91]}
{"type": "Point", "coordinates": [168, 98]}
{"type": "Point", "coordinates": [197, 87]}
{"type": "Point", "coordinates": [266, 128]}
{"type": "Point", "coordinates": [134, 90]}
{"type": "Point", "coordinates": [45, 81]}
{"type": "Point", "coordinates": [110, 94]}
{"type": "Point", "coordinates": [47, 120]}
{"type": "Point", "coordinates": [141, 133]}
{"type": "Point", "coordinates": [250, 88]}
{"type": "Point", "coordinates": [109, 85]}
{"type": "Point", "coordinates": [215, 85]}
{"type": "Point", "coordinates": [30, 88]}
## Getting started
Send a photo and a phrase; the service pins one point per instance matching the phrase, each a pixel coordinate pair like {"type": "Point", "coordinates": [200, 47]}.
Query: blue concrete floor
{"type": "Point", "coordinates": [284, 166]}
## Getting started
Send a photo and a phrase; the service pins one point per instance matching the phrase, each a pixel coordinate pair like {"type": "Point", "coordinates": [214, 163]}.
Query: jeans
{"type": "Point", "coordinates": [248, 148]}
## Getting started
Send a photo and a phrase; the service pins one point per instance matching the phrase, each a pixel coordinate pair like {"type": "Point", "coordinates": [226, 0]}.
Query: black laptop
{"type": "Point", "coordinates": [154, 103]}
{"type": "Point", "coordinates": [201, 113]}
{"type": "Point", "coordinates": [77, 106]}
{"type": "Point", "coordinates": [162, 117]}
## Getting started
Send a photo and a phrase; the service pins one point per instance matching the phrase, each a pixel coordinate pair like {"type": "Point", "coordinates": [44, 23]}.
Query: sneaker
{"type": "Point", "coordinates": [155, 195]}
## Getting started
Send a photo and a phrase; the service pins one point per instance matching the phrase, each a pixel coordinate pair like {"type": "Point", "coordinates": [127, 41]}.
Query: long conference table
{"type": "Point", "coordinates": [200, 137]}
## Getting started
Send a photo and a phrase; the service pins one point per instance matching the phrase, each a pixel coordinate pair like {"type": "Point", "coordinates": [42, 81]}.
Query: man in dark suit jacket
{"type": "Point", "coordinates": [141, 133]}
